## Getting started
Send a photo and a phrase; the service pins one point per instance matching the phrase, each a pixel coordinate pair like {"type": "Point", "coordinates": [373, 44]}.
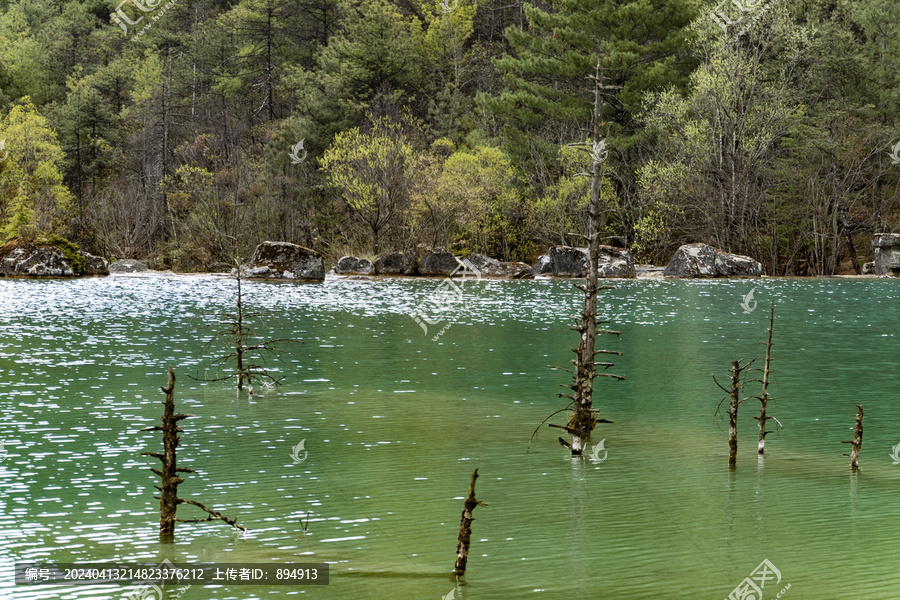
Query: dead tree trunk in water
{"type": "Point", "coordinates": [856, 444]}
{"type": "Point", "coordinates": [734, 396]}
{"type": "Point", "coordinates": [733, 411]}
{"type": "Point", "coordinates": [248, 347]}
{"type": "Point", "coordinates": [764, 398]}
{"type": "Point", "coordinates": [583, 418]}
{"type": "Point", "coordinates": [169, 479]}
{"type": "Point", "coordinates": [465, 529]}
{"type": "Point", "coordinates": [239, 335]}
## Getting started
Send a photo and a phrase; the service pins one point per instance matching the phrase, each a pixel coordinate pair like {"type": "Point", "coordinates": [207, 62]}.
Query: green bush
{"type": "Point", "coordinates": [69, 250]}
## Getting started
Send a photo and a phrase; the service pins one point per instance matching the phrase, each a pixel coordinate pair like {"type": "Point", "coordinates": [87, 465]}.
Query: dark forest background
{"type": "Point", "coordinates": [427, 124]}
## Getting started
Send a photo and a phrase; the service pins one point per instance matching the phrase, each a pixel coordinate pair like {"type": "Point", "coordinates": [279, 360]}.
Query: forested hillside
{"type": "Point", "coordinates": [186, 131]}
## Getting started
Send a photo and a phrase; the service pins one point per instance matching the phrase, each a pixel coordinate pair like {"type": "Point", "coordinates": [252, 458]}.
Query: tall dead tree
{"type": "Point", "coordinates": [248, 358]}
{"type": "Point", "coordinates": [169, 479]}
{"type": "Point", "coordinates": [584, 416]}
{"type": "Point", "coordinates": [465, 529]}
{"type": "Point", "coordinates": [764, 397]}
{"type": "Point", "coordinates": [734, 396]}
{"type": "Point", "coordinates": [856, 443]}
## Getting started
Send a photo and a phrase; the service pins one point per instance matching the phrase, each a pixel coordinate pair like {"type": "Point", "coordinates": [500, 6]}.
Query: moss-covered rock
{"type": "Point", "coordinates": [52, 256]}
{"type": "Point", "coordinates": [20, 258]}
{"type": "Point", "coordinates": [283, 260]}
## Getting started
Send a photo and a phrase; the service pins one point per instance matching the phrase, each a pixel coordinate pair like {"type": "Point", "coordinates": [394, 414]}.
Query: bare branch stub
{"type": "Point", "coordinates": [465, 529]}
{"type": "Point", "coordinates": [856, 443]}
{"type": "Point", "coordinates": [764, 398]}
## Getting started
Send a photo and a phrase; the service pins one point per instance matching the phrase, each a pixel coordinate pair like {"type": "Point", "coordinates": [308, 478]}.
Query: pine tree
{"type": "Point", "coordinates": [548, 97]}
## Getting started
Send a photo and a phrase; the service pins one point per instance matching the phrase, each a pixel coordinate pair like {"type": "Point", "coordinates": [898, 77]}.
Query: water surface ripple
{"type": "Point", "coordinates": [393, 423]}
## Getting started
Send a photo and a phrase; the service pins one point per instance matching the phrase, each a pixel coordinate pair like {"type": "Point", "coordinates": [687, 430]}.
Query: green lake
{"type": "Point", "coordinates": [393, 424]}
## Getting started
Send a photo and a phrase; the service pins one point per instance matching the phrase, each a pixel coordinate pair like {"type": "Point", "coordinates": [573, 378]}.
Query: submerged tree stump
{"type": "Point", "coordinates": [465, 529]}
{"type": "Point", "coordinates": [856, 443]}
{"type": "Point", "coordinates": [169, 479]}
{"type": "Point", "coordinates": [248, 347]}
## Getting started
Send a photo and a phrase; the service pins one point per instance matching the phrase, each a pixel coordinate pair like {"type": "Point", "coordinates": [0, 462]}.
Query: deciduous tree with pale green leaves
{"type": "Point", "coordinates": [33, 198]}
{"type": "Point", "coordinates": [481, 189]}
{"type": "Point", "coordinates": [721, 139]}
{"type": "Point", "coordinates": [374, 172]}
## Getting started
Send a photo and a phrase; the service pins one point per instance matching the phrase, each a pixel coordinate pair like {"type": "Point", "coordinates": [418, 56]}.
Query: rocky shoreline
{"type": "Point", "coordinates": [284, 261]}
{"type": "Point", "coordinates": [290, 262]}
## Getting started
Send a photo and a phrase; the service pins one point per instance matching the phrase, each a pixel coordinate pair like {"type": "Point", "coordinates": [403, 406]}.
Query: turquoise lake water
{"type": "Point", "coordinates": [394, 423]}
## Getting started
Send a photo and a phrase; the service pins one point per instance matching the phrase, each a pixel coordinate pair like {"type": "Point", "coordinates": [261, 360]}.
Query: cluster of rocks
{"type": "Point", "coordinates": [567, 261]}
{"type": "Point", "coordinates": [291, 262]}
{"type": "Point", "coordinates": [282, 260]}
{"type": "Point", "coordinates": [433, 263]}
{"type": "Point", "coordinates": [19, 258]}
{"type": "Point", "coordinates": [562, 261]}
{"type": "Point", "coordinates": [285, 261]}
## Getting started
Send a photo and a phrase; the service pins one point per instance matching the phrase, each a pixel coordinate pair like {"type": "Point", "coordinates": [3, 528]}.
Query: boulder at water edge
{"type": "Point", "coordinates": [615, 262]}
{"type": "Point", "coordinates": [128, 265]}
{"type": "Point", "coordinates": [351, 265]}
{"type": "Point", "coordinates": [19, 258]}
{"type": "Point", "coordinates": [542, 266]}
{"type": "Point", "coordinates": [94, 265]}
{"type": "Point", "coordinates": [491, 267]}
{"type": "Point", "coordinates": [285, 261]}
{"type": "Point", "coordinates": [702, 260]}
{"type": "Point", "coordinates": [737, 265]}
{"type": "Point", "coordinates": [438, 262]}
{"type": "Point", "coordinates": [397, 263]}
{"type": "Point", "coordinates": [887, 254]}
{"type": "Point", "coordinates": [567, 261]}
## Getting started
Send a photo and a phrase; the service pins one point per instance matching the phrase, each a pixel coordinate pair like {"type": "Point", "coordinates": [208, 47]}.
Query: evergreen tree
{"type": "Point", "coordinates": [548, 96]}
{"type": "Point", "coordinates": [373, 56]}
